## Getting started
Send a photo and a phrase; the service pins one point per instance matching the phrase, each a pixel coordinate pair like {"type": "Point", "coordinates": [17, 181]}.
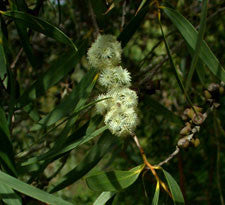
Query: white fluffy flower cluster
{"type": "Point", "coordinates": [119, 107]}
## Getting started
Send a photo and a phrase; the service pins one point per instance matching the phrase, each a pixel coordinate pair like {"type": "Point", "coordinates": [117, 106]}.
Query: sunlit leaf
{"type": "Point", "coordinates": [113, 180]}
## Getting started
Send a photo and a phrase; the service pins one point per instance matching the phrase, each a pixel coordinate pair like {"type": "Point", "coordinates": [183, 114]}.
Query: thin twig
{"type": "Point", "coordinates": [12, 66]}
{"type": "Point", "coordinates": [171, 156]}
{"type": "Point", "coordinates": [152, 168]}
{"type": "Point", "coordinates": [93, 18]}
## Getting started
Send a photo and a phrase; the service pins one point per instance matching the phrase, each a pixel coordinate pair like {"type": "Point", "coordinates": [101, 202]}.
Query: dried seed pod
{"type": "Point", "coordinates": [198, 119]}
{"type": "Point", "coordinates": [186, 130]}
{"type": "Point", "coordinates": [213, 87]}
{"type": "Point", "coordinates": [183, 142]}
{"type": "Point", "coordinates": [197, 109]}
{"type": "Point", "coordinates": [189, 112]}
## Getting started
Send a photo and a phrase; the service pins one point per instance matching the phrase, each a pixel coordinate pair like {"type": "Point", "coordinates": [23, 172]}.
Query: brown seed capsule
{"type": "Point", "coordinates": [198, 119]}
{"type": "Point", "coordinates": [197, 109]}
{"type": "Point", "coordinates": [189, 112]}
{"type": "Point", "coordinates": [213, 87]}
{"type": "Point", "coordinates": [186, 130]}
{"type": "Point", "coordinates": [183, 142]}
{"type": "Point", "coordinates": [207, 94]}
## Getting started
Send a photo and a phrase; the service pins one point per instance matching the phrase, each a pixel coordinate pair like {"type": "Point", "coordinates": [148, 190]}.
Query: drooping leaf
{"type": "Point", "coordinates": [6, 149]}
{"type": "Point", "coordinates": [3, 62]}
{"type": "Point", "coordinates": [8, 196]}
{"type": "Point", "coordinates": [155, 200]}
{"type": "Point", "coordinates": [104, 144]}
{"type": "Point", "coordinates": [104, 197]}
{"type": "Point", "coordinates": [174, 188]}
{"type": "Point", "coordinates": [23, 33]}
{"type": "Point", "coordinates": [73, 101]}
{"type": "Point", "coordinates": [113, 180]}
{"type": "Point", "coordinates": [132, 26]}
{"type": "Point", "coordinates": [31, 191]}
{"type": "Point", "coordinates": [179, 81]}
{"type": "Point", "coordinates": [190, 35]}
{"type": "Point", "coordinates": [59, 69]}
{"type": "Point", "coordinates": [41, 26]}
{"type": "Point", "coordinates": [198, 43]}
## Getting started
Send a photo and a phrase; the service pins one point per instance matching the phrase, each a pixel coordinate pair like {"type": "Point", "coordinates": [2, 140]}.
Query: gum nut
{"type": "Point", "coordinates": [198, 119]}
{"type": "Point", "coordinates": [196, 142]}
{"type": "Point", "coordinates": [185, 131]}
{"type": "Point", "coordinates": [221, 90]}
{"type": "Point", "coordinates": [183, 142]}
{"type": "Point", "coordinates": [207, 94]}
{"type": "Point", "coordinates": [213, 87]}
{"type": "Point", "coordinates": [198, 109]}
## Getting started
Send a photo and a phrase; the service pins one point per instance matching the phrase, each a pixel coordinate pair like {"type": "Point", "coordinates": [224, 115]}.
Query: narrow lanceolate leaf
{"type": "Point", "coordinates": [31, 191]}
{"type": "Point", "coordinates": [132, 26]}
{"type": "Point", "coordinates": [140, 6]}
{"type": "Point", "coordinates": [199, 42]}
{"type": "Point", "coordinates": [174, 188]}
{"type": "Point", "coordinates": [23, 33]}
{"type": "Point", "coordinates": [41, 26]}
{"type": "Point", "coordinates": [106, 143]}
{"type": "Point", "coordinates": [58, 70]}
{"type": "Point", "coordinates": [74, 101]}
{"type": "Point", "coordinates": [155, 200]}
{"type": "Point", "coordinates": [179, 81]}
{"type": "Point", "coordinates": [8, 196]}
{"type": "Point", "coordinates": [113, 180]}
{"type": "Point", "coordinates": [2, 56]}
{"type": "Point", "coordinates": [6, 149]}
{"type": "Point", "coordinates": [66, 148]}
{"type": "Point", "coordinates": [104, 197]}
{"type": "Point", "coordinates": [190, 35]}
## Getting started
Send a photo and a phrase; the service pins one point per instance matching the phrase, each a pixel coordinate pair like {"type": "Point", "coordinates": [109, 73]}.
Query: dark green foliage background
{"type": "Point", "coordinates": [44, 77]}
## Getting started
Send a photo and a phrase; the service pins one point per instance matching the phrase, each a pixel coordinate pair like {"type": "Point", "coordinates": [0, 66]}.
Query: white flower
{"type": "Point", "coordinates": [121, 120]}
{"type": "Point", "coordinates": [124, 96]}
{"type": "Point", "coordinates": [105, 52]}
{"type": "Point", "coordinates": [114, 77]}
{"type": "Point", "coordinates": [102, 106]}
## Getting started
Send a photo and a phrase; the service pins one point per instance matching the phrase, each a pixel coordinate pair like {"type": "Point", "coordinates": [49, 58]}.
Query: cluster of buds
{"type": "Point", "coordinates": [118, 104]}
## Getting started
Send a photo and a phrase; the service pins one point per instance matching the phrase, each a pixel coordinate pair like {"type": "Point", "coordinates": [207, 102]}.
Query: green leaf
{"type": "Point", "coordinates": [199, 42]}
{"type": "Point", "coordinates": [3, 63]}
{"type": "Point", "coordinates": [140, 6]}
{"type": "Point", "coordinates": [41, 26]}
{"type": "Point", "coordinates": [30, 190]}
{"type": "Point", "coordinates": [23, 33]}
{"type": "Point", "coordinates": [104, 144]}
{"type": "Point", "coordinates": [113, 180]}
{"type": "Point", "coordinates": [73, 102]}
{"type": "Point", "coordinates": [59, 69]}
{"type": "Point", "coordinates": [190, 35]}
{"type": "Point", "coordinates": [179, 81]}
{"type": "Point", "coordinates": [67, 147]}
{"type": "Point", "coordinates": [6, 149]}
{"type": "Point", "coordinates": [8, 196]}
{"type": "Point", "coordinates": [155, 200]}
{"type": "Point", "coordinates": [132, 26]}
{"type": "Point", "coordinates": [174, 188]}
{"type": "Point", "coordinates": [104, 197]}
